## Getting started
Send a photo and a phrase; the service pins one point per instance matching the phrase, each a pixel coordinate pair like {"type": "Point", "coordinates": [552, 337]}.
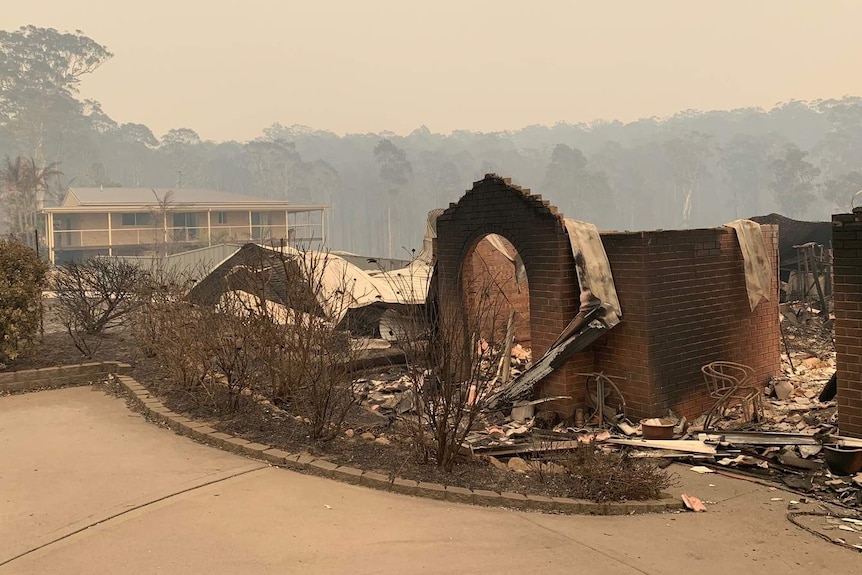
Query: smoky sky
{"type": "Point", "coordinates": [229, 69]}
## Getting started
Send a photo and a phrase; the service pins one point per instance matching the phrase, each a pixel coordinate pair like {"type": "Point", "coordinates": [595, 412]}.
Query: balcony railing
{"type": "Point", "coordinates": [131, 236]}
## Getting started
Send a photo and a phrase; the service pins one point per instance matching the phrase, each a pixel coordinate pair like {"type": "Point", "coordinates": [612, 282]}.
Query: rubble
{"type": "Point", "coordinates": [784, 445]}
{"type": "Point", "coordinates": [788, 444]}
{"type": "Point", "coordinates": [387, 394]}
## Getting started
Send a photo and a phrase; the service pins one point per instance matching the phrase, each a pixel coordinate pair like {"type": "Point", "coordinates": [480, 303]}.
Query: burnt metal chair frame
{"type": "Point", "coordinates": [728, 384]}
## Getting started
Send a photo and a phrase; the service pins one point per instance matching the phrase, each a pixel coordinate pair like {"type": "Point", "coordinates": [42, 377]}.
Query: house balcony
{"type": "Point", "coordinates": [148, 236]}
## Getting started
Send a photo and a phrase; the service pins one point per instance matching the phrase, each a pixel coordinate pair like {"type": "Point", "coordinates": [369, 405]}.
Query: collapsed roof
{"type": "Point", "coordinates": [335, 285]}
{"type": "Point", "coordinates": [332, 284]}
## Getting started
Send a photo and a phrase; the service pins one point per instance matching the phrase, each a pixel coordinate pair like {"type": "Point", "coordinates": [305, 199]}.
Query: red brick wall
{"type": "Point", "coordinates": [682, 294]}
{"type": "Point", "coordinates": [684, 305]}
{"type": "Point", "coordinates": [487, 267]}
{"type": "Point", "coordinates": [536, 230]}
{"type": "Point", "coordinates": [624, 351]}
{"type": "Point", "coordinates": [847, 271]}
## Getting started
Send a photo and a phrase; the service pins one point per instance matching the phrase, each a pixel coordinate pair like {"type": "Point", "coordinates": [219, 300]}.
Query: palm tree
{"type": "Point", "coordinates": [161, 215]}
{"type": "Point", "coordinates": [25, 184]}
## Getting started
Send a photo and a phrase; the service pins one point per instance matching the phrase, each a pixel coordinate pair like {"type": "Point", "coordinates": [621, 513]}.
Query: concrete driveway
{"type": "Point", "coordinates": [88, 487]}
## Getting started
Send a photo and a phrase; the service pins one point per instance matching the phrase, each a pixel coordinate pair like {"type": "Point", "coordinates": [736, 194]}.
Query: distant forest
{"type": "Point", "coordinates": [802, 159]}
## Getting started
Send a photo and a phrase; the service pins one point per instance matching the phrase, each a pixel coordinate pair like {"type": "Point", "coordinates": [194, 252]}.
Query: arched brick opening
{"type": "Point", "coordinates": [536, 230]}
{"type": "Point", "coordinates": [496, 262]}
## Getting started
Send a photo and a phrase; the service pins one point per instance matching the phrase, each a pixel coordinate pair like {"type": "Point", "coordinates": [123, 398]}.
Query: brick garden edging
{"type": "Point", "coordinates": [304, 462]}
{"type": "Point", "coordinates": [62, 376]}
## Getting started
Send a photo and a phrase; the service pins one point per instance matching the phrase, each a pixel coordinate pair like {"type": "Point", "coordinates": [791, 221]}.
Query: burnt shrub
{"type": "Point", "coordinates": [594, 474]}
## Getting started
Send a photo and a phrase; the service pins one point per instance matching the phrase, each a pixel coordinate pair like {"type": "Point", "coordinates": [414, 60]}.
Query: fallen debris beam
{"type": "Point", "coordinates": [759, 438]}
{"type": "Point", "coordinates": [500, 450]}
{"type": "Point", "coordinates": [543, 446]}
{"type": "Point", "coordinates": [848, 441]}
{"type": "Point", "coordinates": [584, 330]}
{"type": "Point", "coordinates": [668, 454]}
{"type": "Point", "coordinates": [684, 445]}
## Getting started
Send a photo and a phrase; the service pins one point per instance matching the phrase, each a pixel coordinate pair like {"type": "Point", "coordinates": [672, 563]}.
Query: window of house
{"type": "Point", "coordinates": [136, 219]}
{"type": "Point", "coordinates": [185, 227]}
{"type": "Point", "coordinates": [260, 218]}
{"type": "Point", "coordinates": [221, 217]}
{"type": "Point", "coordinates": [260, 225]}
{"type": "Point", "coordinates": [305, 228]}
{"type": "Point", "coordinates": [185, 220]}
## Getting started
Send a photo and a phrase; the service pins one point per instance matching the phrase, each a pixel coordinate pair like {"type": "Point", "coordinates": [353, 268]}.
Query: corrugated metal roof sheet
{"type": "Point", "coordinates": [341, 286]}
{"type": "Point", "coordinates": [194, 264]}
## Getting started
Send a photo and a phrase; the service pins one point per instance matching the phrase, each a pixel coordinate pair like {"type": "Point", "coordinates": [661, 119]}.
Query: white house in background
{"type": "Point", "coordinates": [138, 221]}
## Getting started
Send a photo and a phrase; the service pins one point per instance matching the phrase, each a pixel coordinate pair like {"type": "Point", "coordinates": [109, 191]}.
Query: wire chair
{"type": "Point", "coordinates": [732, 384]}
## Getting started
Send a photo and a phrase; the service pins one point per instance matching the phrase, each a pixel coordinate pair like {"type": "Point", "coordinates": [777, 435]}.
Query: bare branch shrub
{"type": "Point", "coordinates": [22, 276]}
{"type": "Point", "coordinates": [233, 344]}
{"type": "Point", "coordinates": [307, 353]}
{"type": "Point", "coordinates": [206, 352]}
{"type": "Point", "coordinates": [276, 325]}
{"type": "Point", "coordinates": [166, 327]}
{"type": "Point", "coordinates": [453, 352]}
{"type": "Point", "coordinates": [93, 296]}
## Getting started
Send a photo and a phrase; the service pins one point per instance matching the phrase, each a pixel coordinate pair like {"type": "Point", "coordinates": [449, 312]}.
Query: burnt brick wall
{"type": "Point", "coordinates": [684, 305]}
{"type": "Point", "coordinates": [700, 313]}
{"type": "Point", "coordinates": [487, 262]}
{"type": "Point", "coordinates": [682, 294]}
{"type": "Point", "coordinates": [536, 231]}
{"type": "Point", "coordinates": [624, 351]}
{"type": "Point", "coordinates": [847, 271]}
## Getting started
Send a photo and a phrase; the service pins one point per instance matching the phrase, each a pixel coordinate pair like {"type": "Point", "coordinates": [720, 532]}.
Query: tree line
{"type": "Point", "coordinates": [802, 159]}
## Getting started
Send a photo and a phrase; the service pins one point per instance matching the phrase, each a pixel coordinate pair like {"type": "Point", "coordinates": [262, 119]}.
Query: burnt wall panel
{"type": "Point", "coordinates": [699, 312]}
{"type": "Point", "coordinates": [847, 270]}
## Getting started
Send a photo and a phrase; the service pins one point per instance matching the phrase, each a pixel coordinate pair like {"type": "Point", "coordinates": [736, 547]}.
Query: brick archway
{"type": "Point", "coordinates": [536, 230]}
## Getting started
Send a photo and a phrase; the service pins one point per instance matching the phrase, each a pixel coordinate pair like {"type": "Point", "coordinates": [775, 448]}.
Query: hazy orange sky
{"type": "Point", "coordinates": [229, 69]}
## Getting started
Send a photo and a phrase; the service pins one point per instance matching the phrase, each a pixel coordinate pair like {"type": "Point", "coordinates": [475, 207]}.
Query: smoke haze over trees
{"type": "Point", "coordinates": [801, 159]}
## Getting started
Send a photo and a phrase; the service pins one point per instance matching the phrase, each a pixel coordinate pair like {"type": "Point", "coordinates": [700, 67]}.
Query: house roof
{"type": "Point", "coordinates": [147, 196]}
{"type": "Point", "coordinates": [89, 199]}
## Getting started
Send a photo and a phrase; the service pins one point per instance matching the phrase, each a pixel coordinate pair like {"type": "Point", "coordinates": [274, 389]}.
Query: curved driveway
{"type": "Point", "coordinates": [88, 487]}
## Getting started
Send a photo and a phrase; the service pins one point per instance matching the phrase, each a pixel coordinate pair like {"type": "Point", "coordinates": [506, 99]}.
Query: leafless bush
{"type": "Point", "coordinates": [304, 297]}
{"type": "Point", "coordinates": [279, 327]}
{"type": "Point", "coordinates": [208, 354]}
{"type": "Point", "coordinates": [169, 328]}
{"type": "Point", "coordinates": [160, 296]}
{"type": "Point", "coordinates": [452, 353]}
{"type": "Point", "coordinates": [233, 346]}
{"type": "Point", "coordinates": [93, 296]}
